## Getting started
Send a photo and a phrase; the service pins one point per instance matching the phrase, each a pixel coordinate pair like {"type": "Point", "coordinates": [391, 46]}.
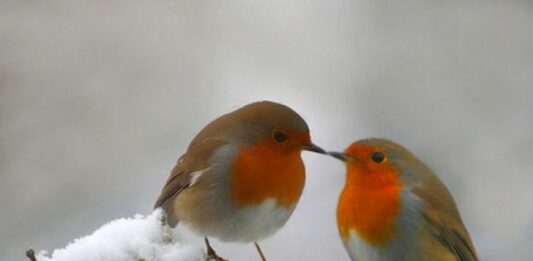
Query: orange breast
{"type": "Point", "coordinates": [263, 172]}
{"type": "Point", "coordinates": [369, 205]}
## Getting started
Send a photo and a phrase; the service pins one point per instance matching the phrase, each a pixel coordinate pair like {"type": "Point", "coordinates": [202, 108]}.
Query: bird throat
{"type": "Point", "coordinates": [369, 205]}
{"type": "Point", "coordinates": [263, 172]}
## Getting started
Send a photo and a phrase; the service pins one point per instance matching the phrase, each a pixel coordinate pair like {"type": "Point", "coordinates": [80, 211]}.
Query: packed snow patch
{"type": "Point", "coordinates": [142, 238]}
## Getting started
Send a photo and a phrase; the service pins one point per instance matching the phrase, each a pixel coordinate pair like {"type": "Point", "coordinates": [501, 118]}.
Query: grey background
{"type": "Point", "coordinates": [99, 98]}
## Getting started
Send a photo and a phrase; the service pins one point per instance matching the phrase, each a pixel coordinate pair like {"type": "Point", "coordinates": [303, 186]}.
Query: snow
{"type": "Point", "coordinates": [124, 239]}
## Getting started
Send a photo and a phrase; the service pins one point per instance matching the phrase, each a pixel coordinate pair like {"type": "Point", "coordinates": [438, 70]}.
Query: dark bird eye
{"type": "Point", "coordinates": [280, 137]}
{"type": "Point", "coordinates": [378, 157]}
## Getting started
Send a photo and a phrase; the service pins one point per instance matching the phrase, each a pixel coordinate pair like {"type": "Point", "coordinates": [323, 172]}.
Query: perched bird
{"type": "Point", "coordinates": [241, 176]}
{"type": "Point", "coordinates": [393, 207]}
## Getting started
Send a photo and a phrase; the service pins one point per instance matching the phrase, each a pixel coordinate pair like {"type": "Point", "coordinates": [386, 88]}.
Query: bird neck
{"type": "Point", "coordinates": [261, 172]}
{"type": "Point", "coordinates": [369, 205]}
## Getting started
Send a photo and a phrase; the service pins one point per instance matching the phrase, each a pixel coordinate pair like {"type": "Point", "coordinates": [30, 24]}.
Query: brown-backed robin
{"type": "Point", "coordinates": [393, 207]}
{"type": "Point", "coordinates": [241, 176]}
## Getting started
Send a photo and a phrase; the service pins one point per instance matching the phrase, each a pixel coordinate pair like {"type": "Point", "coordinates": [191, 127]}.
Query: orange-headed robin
{"type": "Point", "coordinates": [241, 176]}
{"type": "Point", "coordinates": [393, 207]}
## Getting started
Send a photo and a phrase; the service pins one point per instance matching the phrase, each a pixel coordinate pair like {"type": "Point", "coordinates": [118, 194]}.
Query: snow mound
{"type": "Point", "coordinates": [141, 238]}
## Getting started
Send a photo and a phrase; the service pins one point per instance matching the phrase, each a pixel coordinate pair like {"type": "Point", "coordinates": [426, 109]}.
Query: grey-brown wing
{"type": "Point", "coordinates": [453, 236]}
{"type": "Point", "coordinates": [179, 180]}
{"type": "Point", "coordinates": [442, 215]}
{"type": "Point", "coordinates": [196, 158]}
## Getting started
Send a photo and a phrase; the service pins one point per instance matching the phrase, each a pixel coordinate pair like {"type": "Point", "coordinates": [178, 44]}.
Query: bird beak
{"type": "Point", "coordinates": [339, 155]}
{"type": "Point", "coordinates": [314, 148]}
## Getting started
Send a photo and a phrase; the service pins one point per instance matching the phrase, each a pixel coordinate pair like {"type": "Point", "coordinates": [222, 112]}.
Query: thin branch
{"type": "Point", "coordinates": [260, 251]}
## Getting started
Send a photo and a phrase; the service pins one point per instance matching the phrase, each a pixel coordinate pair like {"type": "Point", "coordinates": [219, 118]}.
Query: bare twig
{"type": "Point", "coordinates": [260, 251]}
{"type": "Point", "coordinates": [31, 254]}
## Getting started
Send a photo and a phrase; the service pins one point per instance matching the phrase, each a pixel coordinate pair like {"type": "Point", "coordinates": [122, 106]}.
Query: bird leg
{"type": "Point", "coordinates": [211, 254]}
{"type": "Point", "coordinates": [260, 251]}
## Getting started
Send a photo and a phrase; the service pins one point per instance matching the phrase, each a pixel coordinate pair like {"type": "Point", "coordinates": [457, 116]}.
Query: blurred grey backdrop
{"type": "Point", "coordinates": [99, 98]}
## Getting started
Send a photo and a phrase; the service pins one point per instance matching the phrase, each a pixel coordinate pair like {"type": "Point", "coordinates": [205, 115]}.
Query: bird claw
{"type": "Point", "coordinates": [211, 254]}
{"type": "Point", "coordinates": [214, 257]}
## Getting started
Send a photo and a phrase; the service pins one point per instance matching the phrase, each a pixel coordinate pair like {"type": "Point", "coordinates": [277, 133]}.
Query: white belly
{"type": "Point", "coordinates": [255, 223]}
{"type": "Point", "coordinates": [359, 250]}
{"type": "Point", "coordinates": [247, 225]}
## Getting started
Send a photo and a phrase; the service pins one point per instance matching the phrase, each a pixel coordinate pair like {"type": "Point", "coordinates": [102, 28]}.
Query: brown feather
{"type": "Point", "coordinates": [442, 216]}
{"type": "Point", "coordinates": [195, 159]}
{"type": "Point", "coordinates": [243, 126]}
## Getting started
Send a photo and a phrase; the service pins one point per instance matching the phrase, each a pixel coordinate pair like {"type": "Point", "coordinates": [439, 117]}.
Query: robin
{"type": "Point", "coordinates": [241, 176]}
{"type": "Point", "coordinates": [393, 207]}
